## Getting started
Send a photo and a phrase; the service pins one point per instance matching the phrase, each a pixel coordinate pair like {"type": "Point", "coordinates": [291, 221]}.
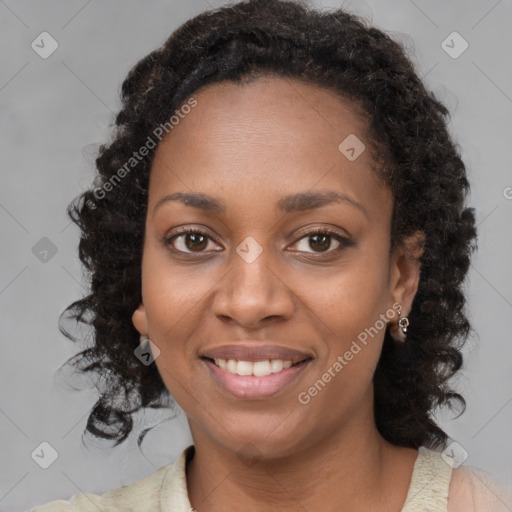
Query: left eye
{"type": "Point", "coordinates": [320, 241]}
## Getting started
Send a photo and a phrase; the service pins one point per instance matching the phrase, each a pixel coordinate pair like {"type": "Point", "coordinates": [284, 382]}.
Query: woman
{"type": "Point", "coordinates": [279, 224]}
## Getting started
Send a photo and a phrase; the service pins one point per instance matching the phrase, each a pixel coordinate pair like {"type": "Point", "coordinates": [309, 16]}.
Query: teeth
{"type": "Point", "coordinates": [258, 368]}
{"type": "Point", "coordinates": [276, 365]}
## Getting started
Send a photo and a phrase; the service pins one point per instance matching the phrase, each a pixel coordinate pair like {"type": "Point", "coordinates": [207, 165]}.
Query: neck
{"type": "Point", "coordinates": [351, 469]}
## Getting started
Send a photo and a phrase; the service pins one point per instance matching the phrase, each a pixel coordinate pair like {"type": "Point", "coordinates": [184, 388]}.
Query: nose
{"type": "Point", "coordinates": [252, 294]}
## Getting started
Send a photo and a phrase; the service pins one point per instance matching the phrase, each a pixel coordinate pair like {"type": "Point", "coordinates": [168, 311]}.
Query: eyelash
{"type": "Point", "coordinates": [344, 242]}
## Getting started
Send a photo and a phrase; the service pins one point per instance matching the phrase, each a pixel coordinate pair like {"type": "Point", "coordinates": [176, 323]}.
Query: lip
{"type": "Point", "coordinates": [250, 387]}
{"type": "Point", "coordinates": [255, 352]}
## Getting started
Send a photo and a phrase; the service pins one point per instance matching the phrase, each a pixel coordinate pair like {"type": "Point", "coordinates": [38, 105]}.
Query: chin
{"type": "Point", "coordinates": [269, 438]}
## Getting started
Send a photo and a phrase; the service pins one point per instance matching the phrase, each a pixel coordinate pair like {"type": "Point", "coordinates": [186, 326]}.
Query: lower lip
{"type": "Point", "coordinates": [251, 387]}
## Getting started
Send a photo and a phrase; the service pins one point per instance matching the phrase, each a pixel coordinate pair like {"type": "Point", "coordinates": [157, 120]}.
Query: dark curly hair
{"type": "Point", "coordinates": [413, 153]}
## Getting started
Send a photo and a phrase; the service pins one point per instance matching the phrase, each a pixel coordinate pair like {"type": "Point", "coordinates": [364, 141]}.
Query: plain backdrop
{"type": "Point", "coordinates": [55, 113]}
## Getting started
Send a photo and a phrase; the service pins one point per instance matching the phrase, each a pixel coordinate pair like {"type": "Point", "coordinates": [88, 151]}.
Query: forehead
{"type": "Point", "coordinates": [273, 136]}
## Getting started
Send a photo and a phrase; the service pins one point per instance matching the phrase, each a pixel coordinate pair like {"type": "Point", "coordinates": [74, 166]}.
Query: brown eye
{"type": "Point", "coordinates": [190, 241]}
{"type": "Point", "coordinates": [195, 241]}
{"type": "Point", "coordinates": [320, 241]}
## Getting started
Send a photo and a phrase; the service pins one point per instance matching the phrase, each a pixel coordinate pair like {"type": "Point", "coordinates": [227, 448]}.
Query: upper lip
{"type": "Point", "coordinates": [254, 353]}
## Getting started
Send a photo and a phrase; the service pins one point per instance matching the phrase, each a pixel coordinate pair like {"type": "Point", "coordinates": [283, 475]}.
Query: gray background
{"type": "Point", "coordinates": [56, 111]}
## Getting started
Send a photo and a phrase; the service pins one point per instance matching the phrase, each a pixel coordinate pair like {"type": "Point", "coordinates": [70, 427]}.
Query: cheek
{"type": "Point", "coordinates": [352, 304]}
{"type": "Point", "coordinates": [353, 307]}
{"type": "Point", "coordinates": [350, 298]}
{"type": "Point", "coordinates": [173, 300]}
{"type": "Point", "coordinates": [171, 293]}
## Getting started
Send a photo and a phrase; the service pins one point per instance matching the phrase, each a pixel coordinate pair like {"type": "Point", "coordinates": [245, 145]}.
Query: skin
{"type": "Point", "coordinates": [249, 146]}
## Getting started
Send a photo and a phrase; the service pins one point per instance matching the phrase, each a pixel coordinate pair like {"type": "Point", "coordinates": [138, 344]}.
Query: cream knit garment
{"type": "Point", "coordinates": [166, 491]}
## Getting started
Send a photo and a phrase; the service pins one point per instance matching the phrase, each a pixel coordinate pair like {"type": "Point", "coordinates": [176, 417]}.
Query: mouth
{"type": "Point", "coordinates": [255, 372]}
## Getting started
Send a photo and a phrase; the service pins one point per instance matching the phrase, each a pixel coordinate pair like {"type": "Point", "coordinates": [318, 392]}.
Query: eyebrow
{"type": "Point", "coordinates": [299, 202]}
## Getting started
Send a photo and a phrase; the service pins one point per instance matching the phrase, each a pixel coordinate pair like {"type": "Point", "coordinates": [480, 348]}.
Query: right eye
{"type": "Point", "coordinates": [190, 241]}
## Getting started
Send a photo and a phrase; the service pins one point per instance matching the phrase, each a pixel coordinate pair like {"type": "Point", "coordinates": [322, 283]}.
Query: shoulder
{"type": "Point", "coordinates": [140, 496]}
{"type": "Point", "coordinates": [473, 490]}
{"type": "Point", "coordinates": [430, 479]}
{"type": "Point", "coordinates": [437, 486]}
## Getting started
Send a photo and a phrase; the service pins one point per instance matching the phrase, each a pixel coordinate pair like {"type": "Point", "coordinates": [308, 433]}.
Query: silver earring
{"type": "Point", "coordinates": [401, 330]}
{"type": "Point", "coordinates": [403, 323]}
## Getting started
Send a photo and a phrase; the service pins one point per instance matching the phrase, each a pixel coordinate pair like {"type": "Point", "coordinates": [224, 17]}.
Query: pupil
{"type": "Point", "coordinates": [324, 239]}
{"type": "Point", "coordinates": [195, 238]}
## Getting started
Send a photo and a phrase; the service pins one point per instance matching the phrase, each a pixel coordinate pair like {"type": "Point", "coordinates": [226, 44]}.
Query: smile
{"type": "Point", "coordinates": [257, 368]}
{"type": "Point", "coordinates": [254, 379]}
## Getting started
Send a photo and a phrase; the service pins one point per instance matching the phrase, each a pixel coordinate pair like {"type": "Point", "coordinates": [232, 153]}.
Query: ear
{"type": "Point", "coordinates": [405, 271]}
{"type": "Point", "coordinates": [139, 319]}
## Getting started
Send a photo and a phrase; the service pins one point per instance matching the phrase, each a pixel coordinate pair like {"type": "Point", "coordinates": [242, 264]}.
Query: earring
{"type": "Point", "coordinates": [402, 324]}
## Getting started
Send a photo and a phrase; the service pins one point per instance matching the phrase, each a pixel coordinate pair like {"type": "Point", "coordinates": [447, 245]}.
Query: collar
{"type": "Point", "coordinates": [174, 495]}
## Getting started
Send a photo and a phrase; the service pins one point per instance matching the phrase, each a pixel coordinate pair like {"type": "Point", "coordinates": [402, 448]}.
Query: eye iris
{"type": "Point", "coordinates": [195, 238]}
{"type": "Point", "coordinates": [320, 240]}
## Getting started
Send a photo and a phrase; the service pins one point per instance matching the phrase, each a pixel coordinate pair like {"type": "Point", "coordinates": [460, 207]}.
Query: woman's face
{"type": "Point", "coordinates": [263, 280]}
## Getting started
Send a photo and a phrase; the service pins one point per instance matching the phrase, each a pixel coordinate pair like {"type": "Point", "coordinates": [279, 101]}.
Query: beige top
{"type": "Point", "coordinates": [434, 487]}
